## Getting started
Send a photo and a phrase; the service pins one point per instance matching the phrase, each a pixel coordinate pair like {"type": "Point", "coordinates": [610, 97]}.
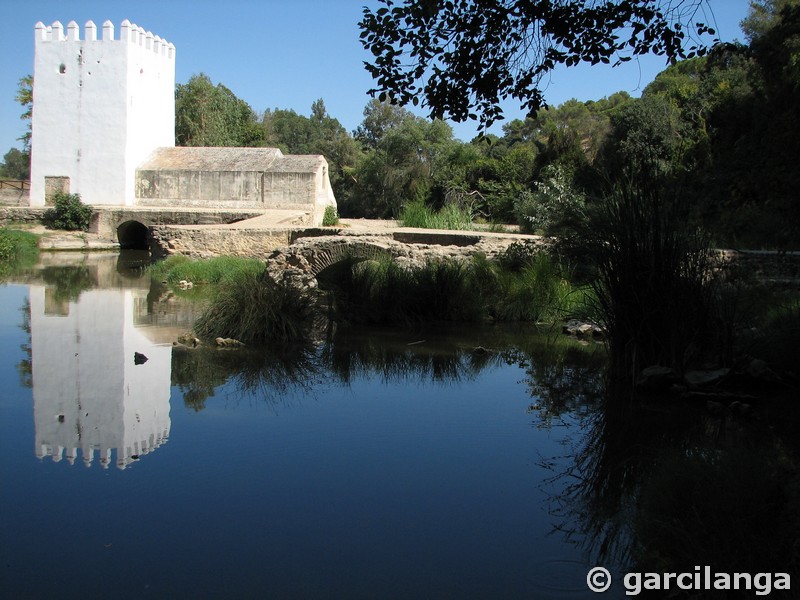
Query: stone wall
{"type": "Point", "coordinates": [20, 215]}
{"type": "Point", "coordinates": [206, 242]}
{"type": "Point", "coordinates": [780, 270]}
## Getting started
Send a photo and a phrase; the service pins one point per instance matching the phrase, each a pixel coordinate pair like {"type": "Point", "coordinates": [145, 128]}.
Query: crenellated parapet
{"type": "Point", "coordinates": [103, 101]}
{"type": "Point", "coordinates": [129, 33]}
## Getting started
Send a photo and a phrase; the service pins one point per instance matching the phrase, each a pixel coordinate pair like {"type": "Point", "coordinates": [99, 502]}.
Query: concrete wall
{"type": "Point", "coordinates": [200, 189]}
{"type": "Point", "coordinates": [279, 189]}
{"type": "Point", "coordinates": [102, 105]}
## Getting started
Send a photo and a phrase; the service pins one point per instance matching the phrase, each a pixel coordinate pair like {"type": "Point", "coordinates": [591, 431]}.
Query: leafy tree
{"type": "Point", "coordinates": [317, 134]}
{"type": "Point", "coordinates": [645, 140]}
{"type": "Point", "coordinates": [763, 16]}
{"type": "Point", "coordinates": [209, 115]}
{"type": "Point", "coordinates": [24, 96]}
{"type": "Point", "coordinates": [16, 165]}
{"type": "Point", "coordinates": [462, 58]}
{"type": "Point", "coordinates": [379, 118]}
{"type": "Point", "coordinates": [417, 160]}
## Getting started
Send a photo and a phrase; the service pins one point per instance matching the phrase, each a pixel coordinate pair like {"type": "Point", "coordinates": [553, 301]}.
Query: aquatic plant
{"type": "Point", "coordinates": [174, 269]}
{"type": "Point", "coordinates": [383, 291]}
{"type": "Point", "coordinates": [17, 249]}
{"type": "Point", "coordinates": [652, 280]}
{"type": "Point", "coordinates": [250, 307]}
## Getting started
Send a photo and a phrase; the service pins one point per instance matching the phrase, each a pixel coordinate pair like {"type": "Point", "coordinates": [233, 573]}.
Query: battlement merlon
{"type": "Point", "coordinates": [128, 33]}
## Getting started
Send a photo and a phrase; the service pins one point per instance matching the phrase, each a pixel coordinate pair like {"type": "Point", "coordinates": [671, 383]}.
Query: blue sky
{"type": "Point", "coordinates": [281, 54]}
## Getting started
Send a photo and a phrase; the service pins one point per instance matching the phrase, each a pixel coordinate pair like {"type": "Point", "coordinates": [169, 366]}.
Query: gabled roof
{"type": "Point", "coordinates": [230, 159]}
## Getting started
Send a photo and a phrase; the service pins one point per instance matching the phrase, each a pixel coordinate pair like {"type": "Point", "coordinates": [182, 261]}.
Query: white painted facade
{"type": "Point", "coordinates": [101, 106]}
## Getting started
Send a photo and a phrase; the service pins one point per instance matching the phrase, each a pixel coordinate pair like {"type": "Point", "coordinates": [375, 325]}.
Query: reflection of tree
{"type": "Point", "coordinates": [348, 357]}
{"type": "Point", "coordinates": [25, 366]}
{"type": "Point", "coordinates": [69, 281]}
{"type": "Point", "coordinates": [562, 377]}
{"type": "Point", "coordinates": [666, 488]}
{"type": "Point", "coordinates": [198, 372]}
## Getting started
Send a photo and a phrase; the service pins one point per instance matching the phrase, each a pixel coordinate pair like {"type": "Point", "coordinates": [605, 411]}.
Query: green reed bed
{"type": "Point", "coordinates": [253, 309]}
{"type": "Point", "coordinates": [221, 269]}
{"type": "Point", "coordinates": [450, 216]}
{"type": "Point", "coordinates": [381, 291]}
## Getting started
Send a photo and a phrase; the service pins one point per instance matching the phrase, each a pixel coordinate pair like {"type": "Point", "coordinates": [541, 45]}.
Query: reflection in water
{"type": "Point", "coordinates": [88, 392]}
{"type": "Point", "coordinates": [664, 488]}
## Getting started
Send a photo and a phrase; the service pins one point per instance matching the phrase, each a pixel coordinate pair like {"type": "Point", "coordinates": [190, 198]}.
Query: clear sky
{"type": "Point", "coordinates": [281, 53]}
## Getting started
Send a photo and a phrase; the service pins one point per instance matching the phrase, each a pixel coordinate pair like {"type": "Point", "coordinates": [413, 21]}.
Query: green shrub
{"type": "Point", "coordinates": [331, 217]}
{"type": "Point", "coordinates": [553, 206]}
{"type": "Point", "coordinates": [517, 255]}
{"type": "Point", "coordinates": [69, 213]}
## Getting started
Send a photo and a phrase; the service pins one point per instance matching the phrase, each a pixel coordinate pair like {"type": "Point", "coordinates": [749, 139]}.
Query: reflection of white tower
{"type": "Point", "coordinates": [87, 391]}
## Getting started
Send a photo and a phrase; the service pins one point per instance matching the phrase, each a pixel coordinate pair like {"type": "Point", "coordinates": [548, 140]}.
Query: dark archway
{"type": "Point", "coordinates": [133, 235]}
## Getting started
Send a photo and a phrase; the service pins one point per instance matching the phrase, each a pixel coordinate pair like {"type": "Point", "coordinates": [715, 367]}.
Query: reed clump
{"type": "Point", "coordinates": [250, 307]}
{"type": "Point", "coordinates": [450, 216]}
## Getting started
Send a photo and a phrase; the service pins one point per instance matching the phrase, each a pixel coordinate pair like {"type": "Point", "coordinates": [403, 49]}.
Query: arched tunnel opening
{"type": "Point", "coordinates": [133, 235]}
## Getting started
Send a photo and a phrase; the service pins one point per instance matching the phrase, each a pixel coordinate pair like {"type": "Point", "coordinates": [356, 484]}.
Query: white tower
{"type": "Point", "coordinates": [100, 107]}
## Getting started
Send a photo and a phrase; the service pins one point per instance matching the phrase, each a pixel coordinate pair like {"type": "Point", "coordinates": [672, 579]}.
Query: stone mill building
{"type": "Point", "coordinates": [104, 127]}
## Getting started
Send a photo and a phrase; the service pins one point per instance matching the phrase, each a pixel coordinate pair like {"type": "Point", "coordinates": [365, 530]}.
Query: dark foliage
{"type": "Point", "coordinates": [463, 58]}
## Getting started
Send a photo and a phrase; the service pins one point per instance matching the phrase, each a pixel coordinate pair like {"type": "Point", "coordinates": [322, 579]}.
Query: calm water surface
{"type": "Point", "coordinates": [364, 468]}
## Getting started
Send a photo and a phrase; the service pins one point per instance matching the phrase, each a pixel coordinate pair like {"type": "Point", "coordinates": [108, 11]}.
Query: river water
{"type": "Point", "coordinates": [409, 464]}
{"type": "Point", "coordinates": [412, 463]}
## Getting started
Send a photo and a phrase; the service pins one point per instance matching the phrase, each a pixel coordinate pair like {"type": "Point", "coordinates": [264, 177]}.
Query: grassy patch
{"type": "Point", "coordinates": [17, 249]}
{"type": "Point", "coordinates": [450, 216]}
{"type": "Point", "coordinates": [217, 270]}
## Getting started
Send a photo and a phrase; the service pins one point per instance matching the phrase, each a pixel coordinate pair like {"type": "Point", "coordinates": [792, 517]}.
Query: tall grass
{"type": "Point", "coordinates": [382, 291]}
{"type": "Point", "coordinates": [450, 216]}
{"type": "Point", "coordinates": [653, 284]}
{"type": "Point", "coordinates": [253, 309]}
{"type": "Point", "coordinates": [212, 270]}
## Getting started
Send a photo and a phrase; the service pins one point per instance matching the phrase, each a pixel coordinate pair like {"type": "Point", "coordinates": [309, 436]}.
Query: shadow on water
{"type": "Point", "coordinates": [673, 488]}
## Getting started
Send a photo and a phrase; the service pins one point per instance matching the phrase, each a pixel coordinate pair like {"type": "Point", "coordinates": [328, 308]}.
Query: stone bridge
{"type": "Point", "coordinates": [312, 251]}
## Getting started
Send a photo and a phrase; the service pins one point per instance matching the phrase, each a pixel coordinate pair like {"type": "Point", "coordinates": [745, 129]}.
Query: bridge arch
{"type": "Point", "coordinates": [334, 253]}
{"type": "Point", "coordinates": [133, 235]}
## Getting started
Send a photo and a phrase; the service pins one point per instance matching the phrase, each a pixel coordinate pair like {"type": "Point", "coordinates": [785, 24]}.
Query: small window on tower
{"type": "Point", "coordinates": [62, 68]}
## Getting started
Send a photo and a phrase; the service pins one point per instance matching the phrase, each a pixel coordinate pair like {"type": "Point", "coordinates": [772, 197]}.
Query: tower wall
{"type": "Point", "coordinates": [101, 104]}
